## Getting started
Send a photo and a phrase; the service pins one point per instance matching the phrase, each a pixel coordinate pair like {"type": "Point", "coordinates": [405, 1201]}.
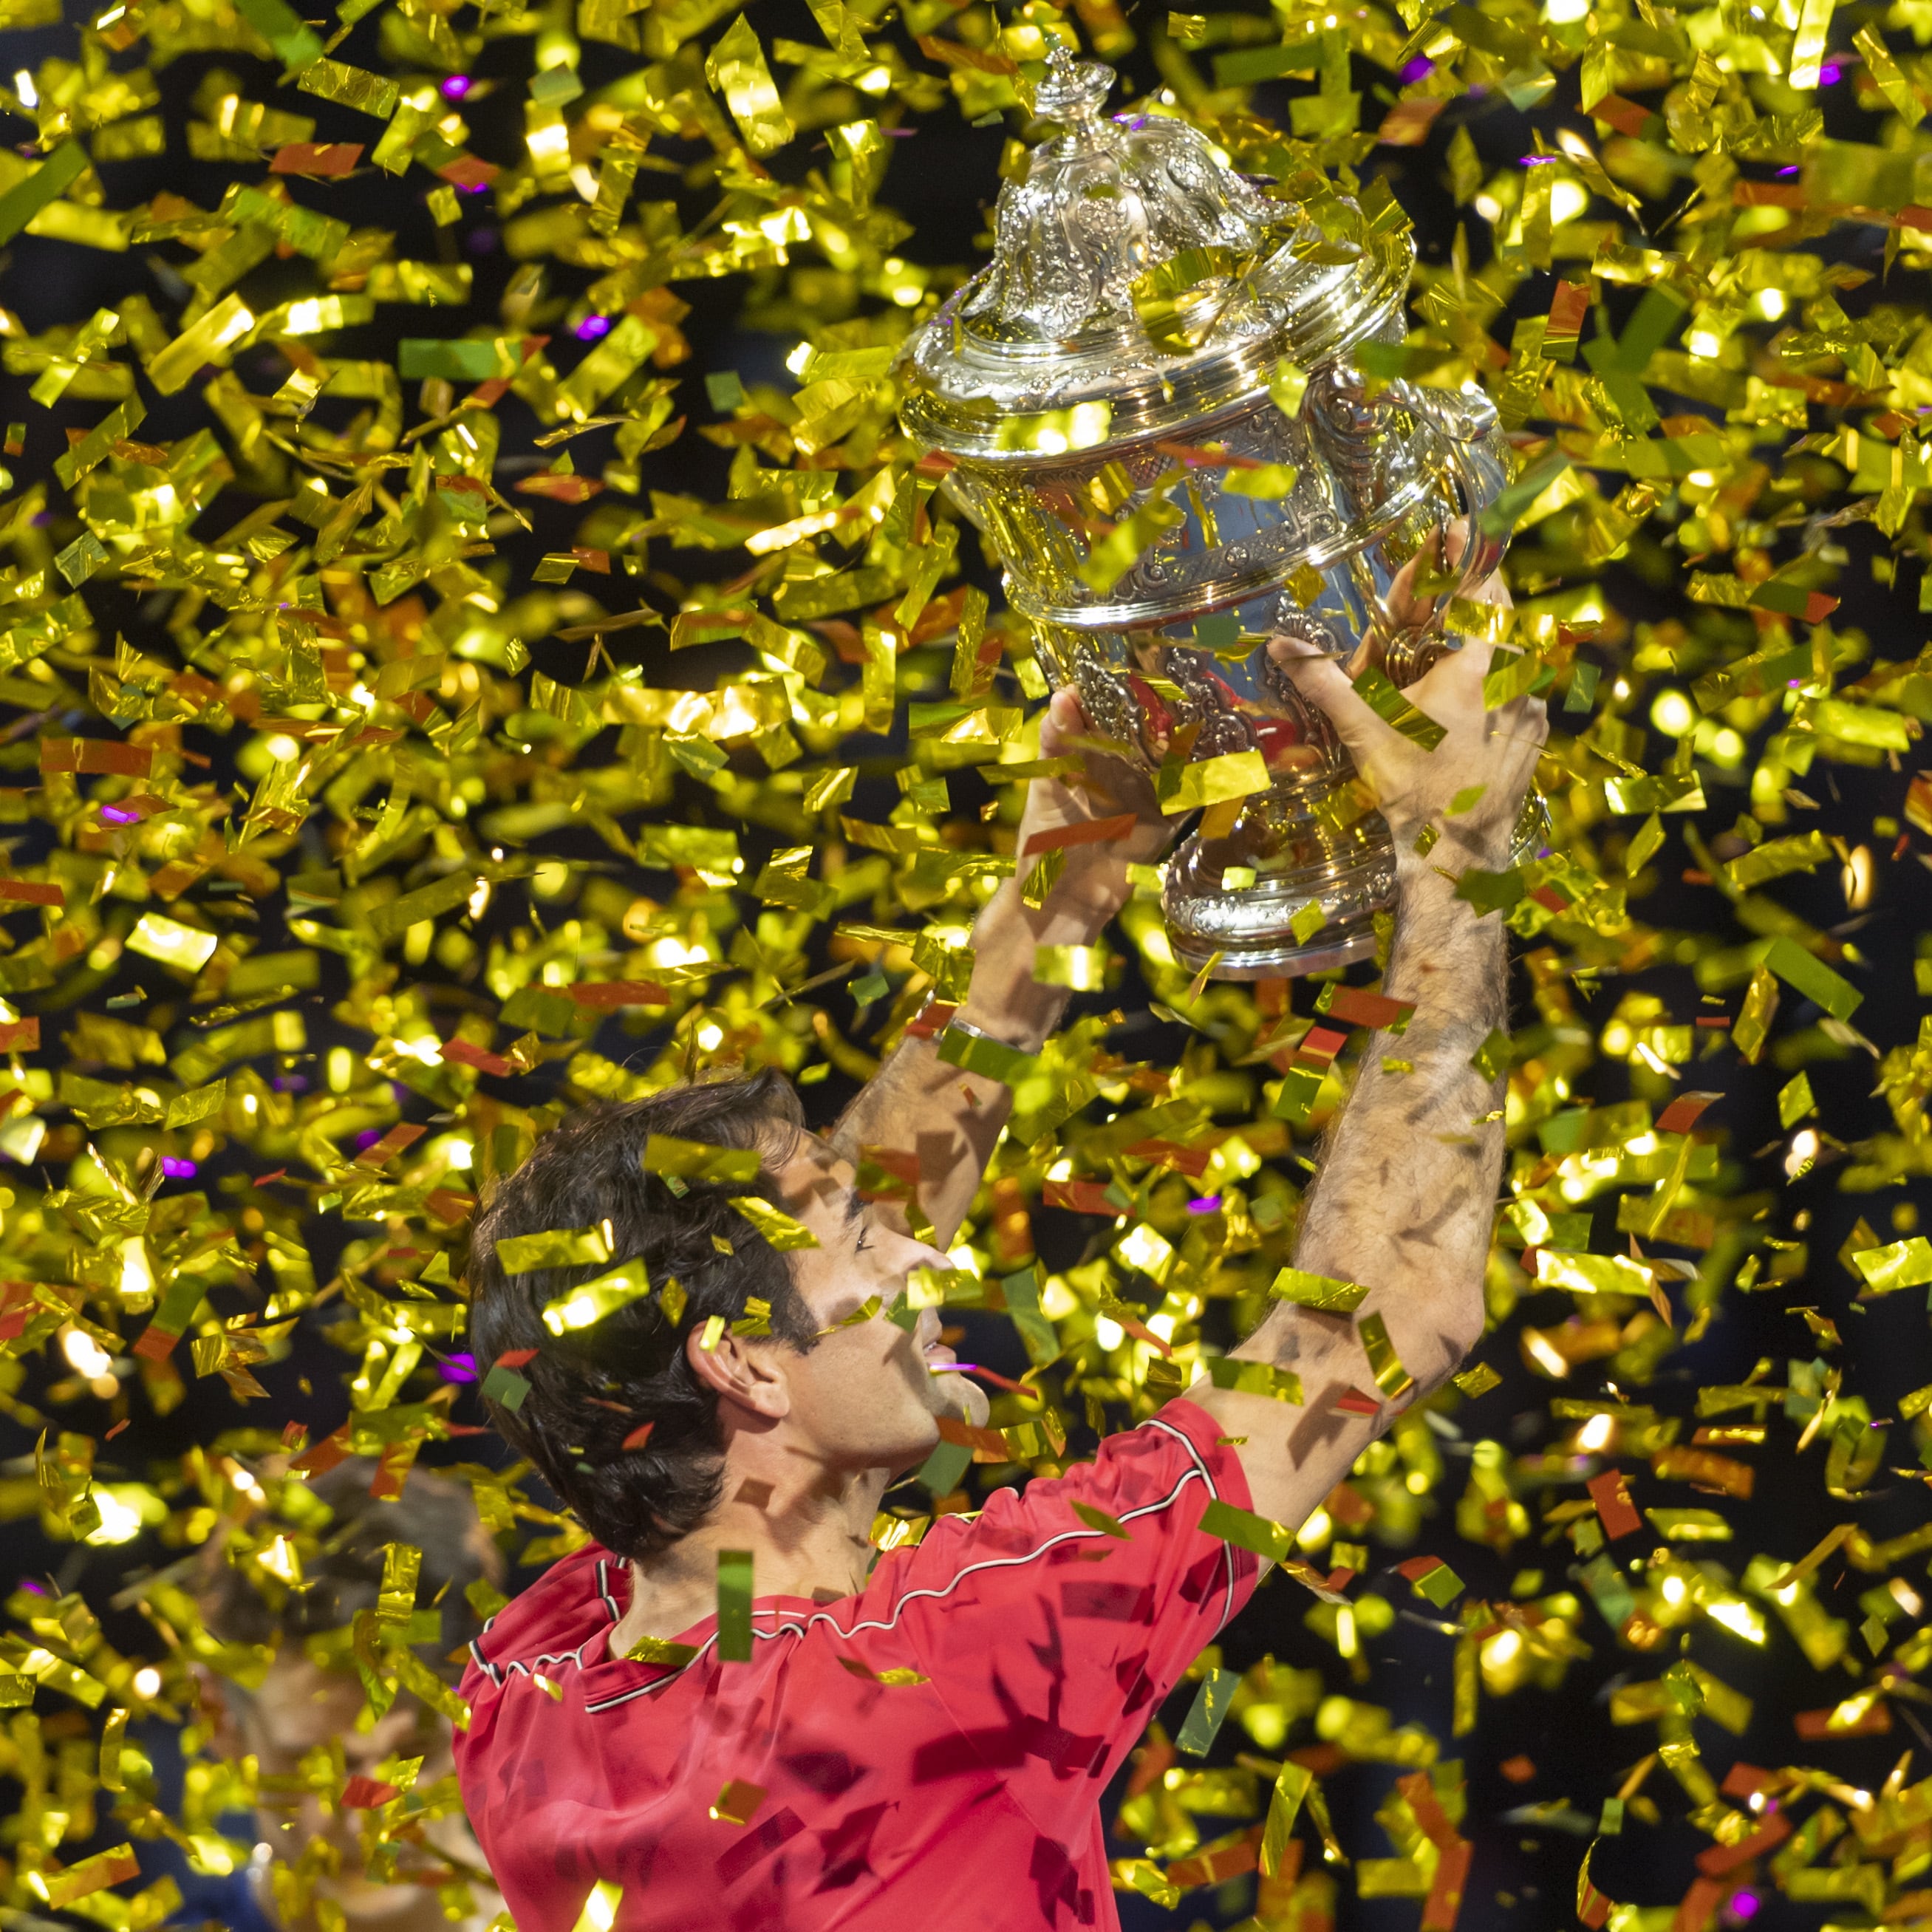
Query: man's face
{"type": "Point", "coordinates": [869, 1396]}
{"type": "Point", "coordinates": [299, 1705]}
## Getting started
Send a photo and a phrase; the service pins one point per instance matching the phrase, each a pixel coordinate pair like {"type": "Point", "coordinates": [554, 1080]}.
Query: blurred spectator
{"type": "Point", "coordinates": [311, 1868]}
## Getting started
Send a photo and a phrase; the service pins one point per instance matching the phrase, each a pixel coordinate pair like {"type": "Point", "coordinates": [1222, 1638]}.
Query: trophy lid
{"type": "Point", "coordinates": [1134, 272]}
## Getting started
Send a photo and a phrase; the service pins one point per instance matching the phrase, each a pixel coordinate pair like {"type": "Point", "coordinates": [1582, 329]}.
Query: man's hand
{"type": "Point", "coordinates": [1490, 753]}
{"type": "Point", "coordinates": [1094, 882]}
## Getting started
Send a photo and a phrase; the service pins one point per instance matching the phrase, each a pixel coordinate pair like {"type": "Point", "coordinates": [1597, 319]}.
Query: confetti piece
{"type": "Point", "coordinates": [1256, 1378]}
{"type": "Point", "coordinates": [568, 1248]}
{"type": "Point", "coordinates": [1292, 1786]}
{"type": "Point", "coordinates": [1205, 1714]}
{"type": "Point", "coordinates": [1685, 1111]}
{"type": "Point", "coordinates": [592, 1301]}
{"type": "Point", "coordinates": [504, 1387]}
{"type": "Point", "coordinates": [734, 1606]}
{"type": "Point", "coordinates": [27, 197]}
{"type": "Point", "coordinates": [328, 162]}
{"type": "Point", "coordinates": [1431, 1578]}
{"type": "Point", "coordinates": [1384, 1364]}
{"type": "Point", "coordinates": [1611, 1495]}
{"type": "Point", "coordinates": [1353, 1007]}
{"type": "Point", "coordinates": [778, 1228]}
{"type": "Point", "coordinates": [64, 1889]}
{"type": "Point", "coordinates": [1806, 1565]}
{"type": "Point", "coordinates": [737, 1803]}
{"type": "Point", "coordinates": [692, 1160]}
{"type": "Point", "coordinates": [1095, 1518]}
{"type": "Point", "coordinates": [1316, 1291]}
{"type": "Point", "coordinates": [1251, 1532]}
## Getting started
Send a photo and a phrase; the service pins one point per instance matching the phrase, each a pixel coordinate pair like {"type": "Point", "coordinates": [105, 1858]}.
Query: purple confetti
{"type": "Point", "coordinates": [591, 327]}
{"type": "Point", "coordinates": [177, 1170]}
{"type": "Point", "coordinates": [1418, 69]}
{"type": "Point", "coordinates": [457, 1368]}
{"type": "Point", "coordinates": [1207, 1204]}
{"type": "Point", "coordinates": [456, 86]}
{"type": "Point", "coordinates": [119, 815]}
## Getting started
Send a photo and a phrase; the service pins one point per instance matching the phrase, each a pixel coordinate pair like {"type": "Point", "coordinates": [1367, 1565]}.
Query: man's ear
{"type": "Point", "coordinates": [748, 1374]}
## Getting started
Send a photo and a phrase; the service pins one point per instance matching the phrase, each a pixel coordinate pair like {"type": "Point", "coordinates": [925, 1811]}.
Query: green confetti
{"type": "Point", "coordinates": [734, 1606]}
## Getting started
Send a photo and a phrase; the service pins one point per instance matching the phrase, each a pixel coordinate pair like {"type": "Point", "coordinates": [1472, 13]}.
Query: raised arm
{"type": "Point", "coordinates": [1402, 1199]}
{"type": "Point", "coordinates": [950, 1118]}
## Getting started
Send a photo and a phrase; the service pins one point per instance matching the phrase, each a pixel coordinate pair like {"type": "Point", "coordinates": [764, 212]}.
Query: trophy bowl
{"type": "Point", "coordinates": [1155, 408]}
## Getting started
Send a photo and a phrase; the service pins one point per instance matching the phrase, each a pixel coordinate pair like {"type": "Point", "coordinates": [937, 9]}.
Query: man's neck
{"type": "Point", "coordinates": [812, 1539]}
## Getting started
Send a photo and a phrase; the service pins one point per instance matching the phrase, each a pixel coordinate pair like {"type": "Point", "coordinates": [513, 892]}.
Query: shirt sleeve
{"type": "Point", "coordinates": [1050, 1638]}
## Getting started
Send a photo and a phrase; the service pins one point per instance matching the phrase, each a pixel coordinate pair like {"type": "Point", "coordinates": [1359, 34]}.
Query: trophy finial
{"type": "Point", "coordinates": [1073, 90]}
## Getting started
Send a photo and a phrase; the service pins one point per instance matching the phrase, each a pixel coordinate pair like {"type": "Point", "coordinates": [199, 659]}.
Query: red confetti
{"type": "Point", "coordinates": [1682, 1114]}
{"type": "Point", "coordinates": [1355, 1007]}
{"type": "Point", "coordinates": [464, 1054]}
{"type": "Point", "coordinates": [1095, 831]}
{"type": "Point", "coordinates": [607, 995]}
{"type": "Point", "coordinates": [328, 160]}
{"type": "Point", "coordinates": [1611, 1494]}
{"type": "Point", "coordinates": [404, 1134]}
{"type": "Point", "coordinates": [1082, 1197]}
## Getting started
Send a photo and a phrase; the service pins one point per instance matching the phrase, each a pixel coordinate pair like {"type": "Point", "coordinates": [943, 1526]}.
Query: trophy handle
{"type": "Point", "coordinates": [1469, 445]}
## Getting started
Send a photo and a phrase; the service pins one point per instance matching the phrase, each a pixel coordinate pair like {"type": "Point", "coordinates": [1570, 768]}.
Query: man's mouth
{"type": "Point", "coordinates": [939, 1356]}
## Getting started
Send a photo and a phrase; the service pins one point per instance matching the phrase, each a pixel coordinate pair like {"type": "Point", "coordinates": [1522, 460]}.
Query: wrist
{"type": "Point", "coordinates": [1455, 848]}
{"type": "Point", "coordinates": [1076, 909]}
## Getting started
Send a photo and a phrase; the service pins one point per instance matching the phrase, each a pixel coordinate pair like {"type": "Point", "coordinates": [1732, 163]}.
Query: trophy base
{"type": "Point", "coordinates": [1248, 932]}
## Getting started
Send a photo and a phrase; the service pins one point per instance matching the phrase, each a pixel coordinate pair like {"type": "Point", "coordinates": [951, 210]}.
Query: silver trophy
{"type": "Point", "coordinates": [1126, 354]}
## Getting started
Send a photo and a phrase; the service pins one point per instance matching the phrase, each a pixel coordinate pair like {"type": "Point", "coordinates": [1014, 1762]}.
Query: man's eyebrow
{"type": "Point", "coordinates": [854, 1206]}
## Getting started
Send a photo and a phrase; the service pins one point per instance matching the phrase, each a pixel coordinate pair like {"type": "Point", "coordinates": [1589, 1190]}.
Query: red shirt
{"type": "Point", "coordinates": [1044, 1644]}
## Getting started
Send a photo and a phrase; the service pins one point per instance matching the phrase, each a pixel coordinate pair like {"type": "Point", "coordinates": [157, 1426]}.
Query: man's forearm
{"type": "Point", "coordinates": [1402, 1202]}
{"type": "Point", "coordinates": [918, 1103]}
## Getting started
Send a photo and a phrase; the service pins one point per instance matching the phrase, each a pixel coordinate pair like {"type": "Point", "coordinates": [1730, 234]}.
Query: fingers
{"type": "Point", "coordinates": [1492, 590]}
{"type": "Point", "coordinates": [1532, 721]}
{"type": "Point", "coordinates": [1323, 683]}
{"type": "Point", "coordinates": [1464, 670]}
{"type": "Point", "coordinates": [1452, 687]}
{"type": "Point", "coordinates": [1066, 717]}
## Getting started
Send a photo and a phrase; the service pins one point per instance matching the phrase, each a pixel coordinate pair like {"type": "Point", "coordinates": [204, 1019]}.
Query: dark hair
{"type": "Point", "coordinates": [344, 1574]}
{"type": "Point", "coordinates": [591, 1388]}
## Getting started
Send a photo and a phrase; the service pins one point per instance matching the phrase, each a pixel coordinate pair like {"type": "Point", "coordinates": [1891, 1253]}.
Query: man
{"type": "Point", "coordinates": [925, 1738]}
{"type": "Point", "coordinates": [308, 1867]}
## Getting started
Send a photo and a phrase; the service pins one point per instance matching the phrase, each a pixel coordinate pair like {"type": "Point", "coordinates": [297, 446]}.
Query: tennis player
{"type": "Point", "coordinates": [921, 1738]}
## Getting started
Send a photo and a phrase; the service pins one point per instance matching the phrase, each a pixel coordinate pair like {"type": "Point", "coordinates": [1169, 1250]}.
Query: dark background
{"type": "Point", "coordinates": [943, 179]}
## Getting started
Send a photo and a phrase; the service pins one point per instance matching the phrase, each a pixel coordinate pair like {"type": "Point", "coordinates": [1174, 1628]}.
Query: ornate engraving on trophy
{"type": "Point", "coordinates": [1121, 350]}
